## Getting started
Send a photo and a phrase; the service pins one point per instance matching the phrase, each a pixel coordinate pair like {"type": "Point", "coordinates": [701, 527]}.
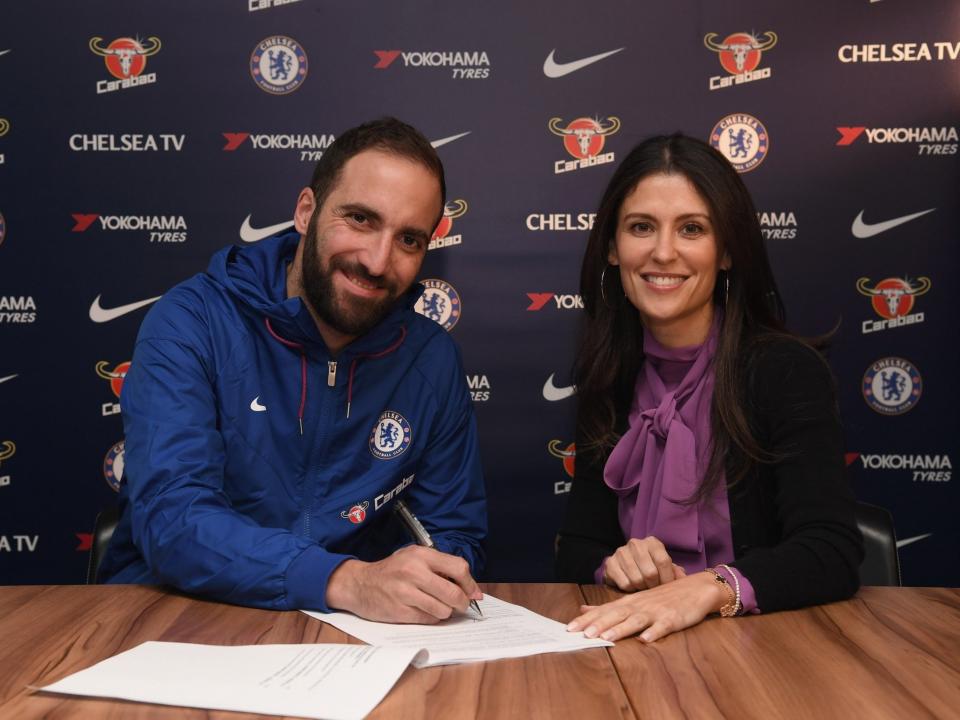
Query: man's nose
{"type": "Point", "coordinates": [376, 257]}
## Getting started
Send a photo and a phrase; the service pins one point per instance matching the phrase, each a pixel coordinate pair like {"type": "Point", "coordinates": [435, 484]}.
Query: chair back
{"type": "Point", "coordinates": [103, 528]}
{"type": "Point", "coordinates": [881, 564]}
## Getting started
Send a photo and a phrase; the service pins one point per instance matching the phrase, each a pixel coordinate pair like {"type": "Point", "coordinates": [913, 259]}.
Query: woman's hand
{"type": "Point", "coordinates": [654, 613]}
{"type": "Point", "coordinates": [639, 565]}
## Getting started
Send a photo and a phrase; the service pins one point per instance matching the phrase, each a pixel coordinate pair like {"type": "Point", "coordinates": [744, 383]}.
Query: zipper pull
{"type": "Point", "coordinates": [331, 373]}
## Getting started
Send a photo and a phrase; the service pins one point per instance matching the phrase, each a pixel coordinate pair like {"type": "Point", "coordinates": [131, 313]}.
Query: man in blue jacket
{"type": "Point", "coordinates": [279, 405]}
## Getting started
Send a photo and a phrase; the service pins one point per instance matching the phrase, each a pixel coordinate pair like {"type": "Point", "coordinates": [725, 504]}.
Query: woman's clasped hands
{"type": "Point", "coordinates": [663, 597]}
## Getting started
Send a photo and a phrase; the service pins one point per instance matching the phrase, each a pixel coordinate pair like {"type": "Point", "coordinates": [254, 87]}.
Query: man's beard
{"type": "Point", "coordinates": [350, 315]}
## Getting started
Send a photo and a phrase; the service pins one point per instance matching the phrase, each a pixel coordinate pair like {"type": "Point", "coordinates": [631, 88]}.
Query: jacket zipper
{"type": "Point", "coordinates": [323, 427]}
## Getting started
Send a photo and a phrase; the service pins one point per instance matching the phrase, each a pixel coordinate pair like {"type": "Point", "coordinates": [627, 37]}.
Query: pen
{"type": "Point", "coordinates": [421, 536]}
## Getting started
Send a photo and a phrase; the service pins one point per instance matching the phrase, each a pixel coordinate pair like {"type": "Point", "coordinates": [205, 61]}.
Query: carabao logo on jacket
{"type": "Point", "coordinates": [390, 435]}
{"type": "Point", "coordinates": [357, 513]}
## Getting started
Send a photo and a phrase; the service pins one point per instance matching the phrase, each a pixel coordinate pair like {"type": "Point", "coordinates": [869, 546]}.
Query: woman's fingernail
{"type": "Point", "coordinates": [645, 637]}
{"type": "Point", "coordinates": [590, 632]}
{"type": "Point", "coordinates": [572, 626]}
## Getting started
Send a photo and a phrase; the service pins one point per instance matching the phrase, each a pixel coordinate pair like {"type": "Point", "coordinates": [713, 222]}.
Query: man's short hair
{"type": "Point", "coordinates": [386, 134]}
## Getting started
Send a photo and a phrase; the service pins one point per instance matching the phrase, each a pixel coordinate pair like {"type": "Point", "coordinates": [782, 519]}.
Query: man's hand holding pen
{"type": "Point", "coordinates": [414, 585]}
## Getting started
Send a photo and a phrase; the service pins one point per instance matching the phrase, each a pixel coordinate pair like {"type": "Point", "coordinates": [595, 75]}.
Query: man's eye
{"type": "Point", "coordinates": [410, 241]}
{"type": "Point", "coordinates": [359, 218]}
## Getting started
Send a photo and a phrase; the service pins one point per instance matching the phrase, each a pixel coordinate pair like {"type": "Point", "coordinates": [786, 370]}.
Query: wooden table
{"type": "Point", "coordinates": [889, 652]}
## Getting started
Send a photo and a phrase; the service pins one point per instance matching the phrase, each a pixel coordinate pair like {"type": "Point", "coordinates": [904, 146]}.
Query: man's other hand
{"type": "Point", "coordinates": [414, 585]}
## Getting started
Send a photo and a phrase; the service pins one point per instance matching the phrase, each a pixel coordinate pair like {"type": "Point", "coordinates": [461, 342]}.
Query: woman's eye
{"type": "Point", "coordinates": [642, 227]}
{"type": "Point", "coordinates": [692, 229]}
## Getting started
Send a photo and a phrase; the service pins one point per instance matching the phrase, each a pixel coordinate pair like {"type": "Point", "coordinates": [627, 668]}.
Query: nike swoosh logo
{"type": "Point", "coordinates": [862, 229]}
{"type": "Point", "coordinates": [553, 69]}
{"type": "Point", "coordinates": [101, 315]}
{"type": "Point", "coordinates": [444, 141]}
{"type": "Point", "coordinates": [8, 377]}
{"type": "Point", "coordinates": [553, 393]}
{"type": "Point", "coordinates": [4, 52]}
{"type": "Point", "coordinates": [256, 406]}
{"type": "Point", "coordinates": [250, 234]}
{"type": "Point", "coordinates": [911, 540]}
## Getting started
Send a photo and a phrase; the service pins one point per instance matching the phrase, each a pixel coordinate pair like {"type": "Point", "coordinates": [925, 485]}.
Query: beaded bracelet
{"type": "Point", "coordinates": [737, 605]}
{"type": "Point", "coordinates": [733, 607]}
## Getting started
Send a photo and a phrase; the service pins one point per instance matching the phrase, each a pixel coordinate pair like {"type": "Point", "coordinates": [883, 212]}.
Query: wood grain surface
{"type": "Point", "coordinates": [50, 632]}
{"type": "Point", "coordinates": [887, 653]}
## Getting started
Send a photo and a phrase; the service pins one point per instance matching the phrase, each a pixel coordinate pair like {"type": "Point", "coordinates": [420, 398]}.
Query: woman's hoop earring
{"type": "Point", "coordinates": [603, 279]}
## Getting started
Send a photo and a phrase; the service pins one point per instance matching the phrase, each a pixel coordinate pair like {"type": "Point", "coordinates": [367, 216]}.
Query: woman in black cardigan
{"type": "Point", "coordinates": [709, 474]}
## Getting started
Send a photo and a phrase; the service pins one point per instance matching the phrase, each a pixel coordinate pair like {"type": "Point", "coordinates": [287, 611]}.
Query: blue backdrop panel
{"type": "Point", "coordinates": [135, 140]}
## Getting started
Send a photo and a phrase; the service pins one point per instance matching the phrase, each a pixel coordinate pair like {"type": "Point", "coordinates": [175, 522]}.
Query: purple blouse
{"type": "Point", "coordinates": [663, 455]}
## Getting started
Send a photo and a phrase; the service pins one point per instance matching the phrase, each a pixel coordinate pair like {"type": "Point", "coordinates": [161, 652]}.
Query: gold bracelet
{"type": "Point", "coordinates": [731, 608]}
{"type": "Point", "coordinates": [737, 604]}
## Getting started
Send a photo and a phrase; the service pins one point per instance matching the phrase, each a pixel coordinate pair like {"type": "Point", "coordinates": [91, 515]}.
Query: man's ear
{"type": "Point", "coordinates": [304, 210]}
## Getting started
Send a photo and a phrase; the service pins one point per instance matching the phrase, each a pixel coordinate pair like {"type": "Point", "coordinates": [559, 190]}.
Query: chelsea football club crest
{"type": "Point", "coordinates": [278, 65]}
{"type": "Point", "coordinates": [113, 466]}
{"type": "Point", "coordinates": [892, 386]}
{"type": "Point", "coordinates": [742, 139]}
{"type": "Point", "coordinates": [440, 302]}
{"type": "Point", "coordinates": [390, 435]}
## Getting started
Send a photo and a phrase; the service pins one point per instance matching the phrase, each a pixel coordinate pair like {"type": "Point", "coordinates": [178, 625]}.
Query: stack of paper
{"type": "Point", "coordinates": [504, 631]}
{"type": "Point", "coordinates": [338, 682]}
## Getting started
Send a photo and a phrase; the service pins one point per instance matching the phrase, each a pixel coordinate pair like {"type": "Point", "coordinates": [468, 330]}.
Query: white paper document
{"type": "Point", "coordinates": [335, 682]}
{"type": "Point", "coordinates": [504, 631]}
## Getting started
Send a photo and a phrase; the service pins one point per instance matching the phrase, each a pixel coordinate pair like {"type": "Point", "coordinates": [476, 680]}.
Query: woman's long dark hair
{"type": "Point", "coordinates": [611, 345]}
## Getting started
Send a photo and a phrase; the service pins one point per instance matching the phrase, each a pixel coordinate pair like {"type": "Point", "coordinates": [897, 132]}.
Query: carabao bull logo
{"type": "Point", "coordinates": [567, 454]}
{"type": "Point", "coordinates": [451, 211]}
{"type": "Point", "coordinates": [8, 450]}
{"type": "Point", "coordinates": [125, 57]}
{"type": "Point", "coordinates": [740, 52]}
{"type": "Point", "coordinates": [115, 376]}
{"type": "Point", "coordinates": [356, 514]}
{"type": "Point", "coordinates": [893, 297]}
{"type": "Point", "coordinates": [584, 137]}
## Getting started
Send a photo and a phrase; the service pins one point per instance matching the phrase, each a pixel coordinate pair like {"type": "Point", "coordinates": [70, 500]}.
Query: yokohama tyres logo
{"type": "Point", "coordinates": [538, 301]}
{"type": "Point", "coordinates": [310, 146]}
{"type": "Point", "coordinates": [464, 64]}
{"type": "Point", "coordinates": [385, 58]}
{"type": "Point", "coordinates": [929, 140]}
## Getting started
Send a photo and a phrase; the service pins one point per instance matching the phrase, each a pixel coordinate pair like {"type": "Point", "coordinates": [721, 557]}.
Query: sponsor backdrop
{"type": "Point", "coordinates": [138, 138]}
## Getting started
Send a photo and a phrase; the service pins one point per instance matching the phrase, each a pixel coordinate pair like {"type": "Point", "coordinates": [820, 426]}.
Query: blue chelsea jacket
{"type": "Point", "coordinates": [224, 497]}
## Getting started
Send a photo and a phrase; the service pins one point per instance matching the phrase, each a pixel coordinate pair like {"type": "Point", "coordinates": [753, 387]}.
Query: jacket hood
{"type": "Point", "coordinates": [256, 276]}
